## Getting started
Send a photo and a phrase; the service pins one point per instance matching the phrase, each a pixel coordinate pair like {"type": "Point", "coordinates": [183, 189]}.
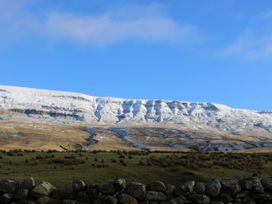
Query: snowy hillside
{"type": "Point", "coordinates": [69, 107]}
{"type": "Point", "coordinates": [268, 112]}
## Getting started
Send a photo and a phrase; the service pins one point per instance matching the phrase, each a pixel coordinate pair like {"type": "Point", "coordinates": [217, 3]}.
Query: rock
{"type": "Point", "coordinates": [106, 199]}
{"type": "Point", "coordinates": [164, 202]}
{"type": "Point", "coordinates": [199, 199]}
{"type": "Point", "coordinates": [178, 200]}
{"type": "Point", "coordinates": [267, 184]}
{"type": "Point", "coordinates": [6, 198]}
{"type": "Point", "coordinates": [22, 194]}
{"type": "Point", "coordinates": [262, 198]}
{"type": "Point", "coordinates": [242, 194]}
{"type": "Point", "coordinates": [253, 184]}
{"type": "Point", "coordinates": [144, 202]}
{"type": "Point", "coordinates": [108, 188]}
{"type": "Point", "coordinates": [26, 202]}
{"type": "Point", "coordinates": [237, 201]}
{"type": "Point", "coordinates": [82, 196]}
{"type": "Point", "coordinates": [170, 191]}
{"type": "Point", "coordinates": [248, 200]}
{"type": "Point", "coordinates": [257, 186]}
{"type": "Point", "coordinates": [42, 189]}
{"type": "Point", "coordinates": [246, 184]}
{"type": "Point", "coordinates": [153, 195]}
{"type": "Point", "coordinates": [223, 197]}
{"type": "Point", "coordinates": [93, 192]}
{"type": "Point", "coordinates": [185, 188]}
{"type": "Point", "coordinates": [62, 193]}
{"type": "Point", "coordinates": [224, 192]}
{"type": "Point", "coordinates": [9, 186]}
{"type": "Point", "coordinates": [136, 190]}
{"type": "Point", "coordinates": [120, 184]}
{"type": "Point", "coordinates": [158, 186]}
{"type": "Point", "coordinates": [78, 185]}
{"type": "Point", "coordinates": [68, 202]}
{"type": "Point", "coordinates": [28, 183]}
{"type": "Point", "coordinates": [188, 187]}
{"type": "Point", "coordinates": [46, 200]}
{"type": "Point", "coordinates": [200, 188]}
{"type": "Point", "coordinates": [126, 199]}
{"type": "Point", "coordinates": [213, 188]}
{"type": "Point", "coordinates": [153, 202]}
{"type": "Point", "coordinates": [231, 186]}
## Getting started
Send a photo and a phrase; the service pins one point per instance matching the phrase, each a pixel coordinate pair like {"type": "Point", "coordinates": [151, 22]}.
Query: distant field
{"type": "Point", "coordinates": [62, 167]}
{"type": "Point", "coordinates": [38, 135]}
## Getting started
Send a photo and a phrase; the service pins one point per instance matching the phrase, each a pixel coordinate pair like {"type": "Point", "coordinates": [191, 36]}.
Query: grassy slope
{"type": "Point", "coordinates": [48, 167]}
{"type": "Point", "coordinates": [35, 134]}
{"type": "Point", "coordinates": [42, 136]}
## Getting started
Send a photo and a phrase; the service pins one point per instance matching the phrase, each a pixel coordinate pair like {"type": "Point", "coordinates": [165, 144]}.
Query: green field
{"type": "Point", "coordinates": [63, 167]}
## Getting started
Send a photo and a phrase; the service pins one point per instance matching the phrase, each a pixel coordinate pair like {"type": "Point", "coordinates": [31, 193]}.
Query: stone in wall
{"type": "Point", "coordinates": [251, 190]}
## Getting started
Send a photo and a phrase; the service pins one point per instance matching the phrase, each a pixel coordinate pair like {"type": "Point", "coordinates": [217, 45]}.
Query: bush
{"type": "Point", "coordinates": [67, 162]}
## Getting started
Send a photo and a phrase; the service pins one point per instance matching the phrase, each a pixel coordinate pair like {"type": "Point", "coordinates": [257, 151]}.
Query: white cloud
{"type": "Point", "coordinates": [250, 47]}
{"type": "Point", "coordinates": [254, 42]}
{"type": "Point", "coordinates": [148, 24]}
{"type": "Point", "coordinates": [105, 29]}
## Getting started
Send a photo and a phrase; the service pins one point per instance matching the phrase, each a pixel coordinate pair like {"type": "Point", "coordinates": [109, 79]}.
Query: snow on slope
{"type": "Point", "coordinates": [69, 107]}
{"type": "Point", "coordinates": [268, 112]}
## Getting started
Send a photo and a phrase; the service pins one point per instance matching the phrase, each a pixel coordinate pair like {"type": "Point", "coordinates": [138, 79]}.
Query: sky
{"type": "Point", "coordinates": [212, 51]}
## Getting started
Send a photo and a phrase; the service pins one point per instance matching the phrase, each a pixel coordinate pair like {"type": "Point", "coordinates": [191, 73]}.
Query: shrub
{"type": "Point", "coordinates": [69, 157]}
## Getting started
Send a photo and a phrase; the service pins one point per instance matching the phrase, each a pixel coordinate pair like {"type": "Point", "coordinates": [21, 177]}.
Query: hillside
{"type": "Point", "coordinates": [131, 123]}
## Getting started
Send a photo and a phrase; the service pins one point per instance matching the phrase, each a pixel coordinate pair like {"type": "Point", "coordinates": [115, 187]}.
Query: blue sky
{"type": "Point", "coordinates": [215, 51]}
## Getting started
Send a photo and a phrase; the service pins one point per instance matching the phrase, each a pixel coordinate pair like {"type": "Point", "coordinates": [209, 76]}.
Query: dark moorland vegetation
{"type": "Point", "coordinates": [174, 167]}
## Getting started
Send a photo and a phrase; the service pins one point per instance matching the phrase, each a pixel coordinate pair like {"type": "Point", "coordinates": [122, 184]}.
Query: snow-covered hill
{"type": "Point", "coordinates": [151, 124]}
{"type": "Point", "coordinates": [68, 107]}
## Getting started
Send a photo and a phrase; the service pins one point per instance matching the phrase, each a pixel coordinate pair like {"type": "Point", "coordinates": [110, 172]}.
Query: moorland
{"type": "Point", "coordinates": [97, 166]}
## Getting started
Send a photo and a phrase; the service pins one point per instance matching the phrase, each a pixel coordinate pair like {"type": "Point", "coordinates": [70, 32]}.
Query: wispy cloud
{"type": "Point", "coordinates": [15, 21]}
{"type": "Point", "coordinates": [250, 46]}
{"type": "Point", "coordinates": [255, 41]}
{"type": "Point", "coordinates": [149, 24]}
{"type": "Point", "coordinates": [105, 29]}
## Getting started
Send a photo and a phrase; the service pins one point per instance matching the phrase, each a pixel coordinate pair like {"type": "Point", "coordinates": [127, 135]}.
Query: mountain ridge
{"type": "Point", "coordinates": [182, 123]}
{"type": "Point", "coordinates": [3, 87]}
{"type": "Point", "coordinates": [118, 110]}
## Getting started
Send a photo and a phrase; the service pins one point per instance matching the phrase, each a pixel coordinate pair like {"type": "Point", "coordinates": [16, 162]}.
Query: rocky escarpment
{"type": "Point", "coordinates": [245, 191]}
{"type": "Point", "coordinates": [65, 106]}
{"type": "Point", "coordinates": [202, 126]}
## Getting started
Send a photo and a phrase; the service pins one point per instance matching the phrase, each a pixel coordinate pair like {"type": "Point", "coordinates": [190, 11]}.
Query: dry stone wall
{"type": "Point", "coordinates": [247, 191]}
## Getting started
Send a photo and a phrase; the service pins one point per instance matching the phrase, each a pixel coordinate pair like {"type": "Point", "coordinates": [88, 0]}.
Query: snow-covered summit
{"type": "Point", "coordinates": [69, 107]}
